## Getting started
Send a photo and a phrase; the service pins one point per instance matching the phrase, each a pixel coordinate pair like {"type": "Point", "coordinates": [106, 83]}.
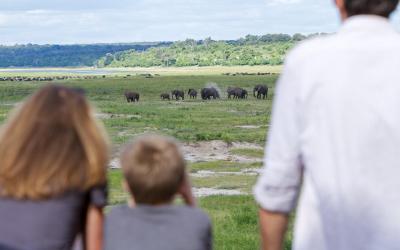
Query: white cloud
{"type": "Point", "coordinates": [277, 2]}
{"type": "Point", "coordinates": [90, 21]}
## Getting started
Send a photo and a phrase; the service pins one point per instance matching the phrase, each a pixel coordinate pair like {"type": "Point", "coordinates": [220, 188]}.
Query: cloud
{"type": "Point", "coordinates": [278, 2]}
{"type": "Point", "coordinates": [92, 21]}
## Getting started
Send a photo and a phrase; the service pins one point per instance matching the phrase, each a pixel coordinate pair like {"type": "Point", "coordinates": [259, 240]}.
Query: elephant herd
{"type": "Point", "coordinates": [259, 92]}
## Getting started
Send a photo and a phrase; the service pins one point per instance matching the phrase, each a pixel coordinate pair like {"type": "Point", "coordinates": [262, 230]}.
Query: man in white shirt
{"type": "Point", "coordinates": [335, 138]}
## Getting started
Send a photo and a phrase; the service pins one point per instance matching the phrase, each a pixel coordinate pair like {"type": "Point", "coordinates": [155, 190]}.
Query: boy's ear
{"type": "Point", "coordinates": [131, 199]}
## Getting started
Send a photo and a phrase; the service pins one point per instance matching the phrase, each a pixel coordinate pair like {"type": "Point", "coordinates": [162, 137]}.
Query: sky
{"type": "Point", "coordinates": [111, 21]}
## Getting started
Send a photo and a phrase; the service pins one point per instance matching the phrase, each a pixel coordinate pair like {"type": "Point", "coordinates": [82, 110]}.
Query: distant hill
{"type": "Point", "coordinates": [268, 49]}
{"type": "Point", "coordinates": [32, 55]}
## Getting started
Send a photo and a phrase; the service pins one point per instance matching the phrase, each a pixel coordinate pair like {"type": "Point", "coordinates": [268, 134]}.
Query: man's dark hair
{"type": "Point", "coordinates": [371, 7]}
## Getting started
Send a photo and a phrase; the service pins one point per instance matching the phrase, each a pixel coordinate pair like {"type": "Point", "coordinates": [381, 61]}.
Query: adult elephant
{"type": "Point", "coordinates": [261, 91]}
{"type": "Point", "coordinates": [208, 93]}
{"type": "Point", "coordinates": [178, 94]}
{"type": "Point", "coordinates": [132, 96]}
{"type": "Point", "coordinates": [192, 93]}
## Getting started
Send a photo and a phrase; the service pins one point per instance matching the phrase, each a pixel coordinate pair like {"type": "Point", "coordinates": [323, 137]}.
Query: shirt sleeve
{"type": "Point", "coordinates": [278, 186]}
{"type": "Point", "coordinates": [98, 196]}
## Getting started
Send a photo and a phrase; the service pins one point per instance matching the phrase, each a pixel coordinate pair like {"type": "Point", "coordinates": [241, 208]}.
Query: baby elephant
{"type": "Point", "coordinates": [192, 93]}
{"type": "Point", "coordinates": [132, 96]}
{"type": "Point", "coordinates": [165, 96]}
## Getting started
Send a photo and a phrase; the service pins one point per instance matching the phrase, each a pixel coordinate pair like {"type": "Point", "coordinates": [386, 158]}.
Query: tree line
{"type": "Point", "coordinates": [268, 49]}
{"type": "Point", "coordinates": [32, 55]}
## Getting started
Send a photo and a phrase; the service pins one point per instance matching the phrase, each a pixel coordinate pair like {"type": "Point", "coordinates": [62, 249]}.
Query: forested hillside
{"type": "Point", "coordinates": [269, 49]}
{"type": "Point", "coordinates": [31, 55]}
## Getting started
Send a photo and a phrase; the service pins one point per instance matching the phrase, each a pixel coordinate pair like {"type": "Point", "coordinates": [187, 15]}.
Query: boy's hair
{"type": "Point", "coordinates": [370, 7]}
{"type": "Point", "coordinates": [154, 169]}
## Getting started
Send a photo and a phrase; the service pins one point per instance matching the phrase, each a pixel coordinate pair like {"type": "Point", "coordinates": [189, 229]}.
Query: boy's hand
{"type": "Point", "coordinates": [186, 192]}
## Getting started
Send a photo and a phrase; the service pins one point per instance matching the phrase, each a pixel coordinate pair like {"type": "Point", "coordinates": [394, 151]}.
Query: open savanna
{"type": "Point", "coordinates": [190, 121]}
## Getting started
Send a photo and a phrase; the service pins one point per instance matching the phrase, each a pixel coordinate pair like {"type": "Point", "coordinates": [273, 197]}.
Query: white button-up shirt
{"type": "Point", "coordinates": [335, 138]}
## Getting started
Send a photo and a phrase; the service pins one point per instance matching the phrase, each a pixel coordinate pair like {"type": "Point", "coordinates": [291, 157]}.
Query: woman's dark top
{"type": "Point", "coordinates": [46, 225]}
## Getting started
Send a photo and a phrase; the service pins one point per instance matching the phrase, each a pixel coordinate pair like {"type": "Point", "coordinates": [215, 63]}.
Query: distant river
{"type": "Point", "coordinates": [63, 71]}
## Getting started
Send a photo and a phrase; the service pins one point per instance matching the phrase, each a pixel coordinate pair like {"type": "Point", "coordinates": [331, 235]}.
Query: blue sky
{"type": "Point", "coordinates": [101, 21]}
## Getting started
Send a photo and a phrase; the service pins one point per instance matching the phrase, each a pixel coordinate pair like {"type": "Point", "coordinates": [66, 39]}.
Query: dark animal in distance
{"type": "Point", "coordinates": [207, 93]}
{"type": "Point", "coordinates": [231, 92]}
{"type": "Point", "coordinates": [132, 96]}
{"type": "Point", "coordinates": [178, 94]}
{"type": "Point", "coordinates": [237, 93]}
{"type": "Point", "coordinates": [261, 91]}
{"type": "Point", "coordinates": [241, 93]}
{"type": "Point", "coordinates": [165, 96]}
{"type": "Point", "coordinates": [192, 93]}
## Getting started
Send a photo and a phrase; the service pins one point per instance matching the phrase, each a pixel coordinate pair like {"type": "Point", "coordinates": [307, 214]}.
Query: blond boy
{"type": "Point", "coordinates": [155, 172]}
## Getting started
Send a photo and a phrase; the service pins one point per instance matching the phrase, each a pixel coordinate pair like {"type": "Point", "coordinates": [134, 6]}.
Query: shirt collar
{"type": "Point", "coordinates": [366, 23]}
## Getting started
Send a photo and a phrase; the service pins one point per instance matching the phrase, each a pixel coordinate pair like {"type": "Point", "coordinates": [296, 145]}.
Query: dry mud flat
{"type": "Point", "coordinates": [248, 127]}
{"type": "Point", "coordinates": [207, 151]}
{"type": "Point", "coordinates": [110, 116]}
{"type": "Point", "coordinates": [209, 173]}
{"type": "Point", "coordinates": [203, 192]}
{"type": "Point", "coordinates": [217, 151]}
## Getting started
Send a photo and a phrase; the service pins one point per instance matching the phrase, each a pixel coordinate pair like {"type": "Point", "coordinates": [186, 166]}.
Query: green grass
{"type": "Point", "coordinates": [235, 221]}
{"type": "Point", "coordinates": [222, 166]}
{"type": "Point", "coordinates": [234, 217]}
{"type": "Point", "coordinates": [250, 152]}
{"type": "Point", "coordinates": [243, 183]}
{"type": "Point", "coordinates": [191, 120]}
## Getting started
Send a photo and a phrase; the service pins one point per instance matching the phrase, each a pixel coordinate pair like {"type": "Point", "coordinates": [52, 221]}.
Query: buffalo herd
{"type": "Point", "coordinates": [259, 92]}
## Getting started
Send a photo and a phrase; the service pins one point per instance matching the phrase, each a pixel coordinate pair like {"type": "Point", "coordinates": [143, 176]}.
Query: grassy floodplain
{"type": "Point", "coordinates": [191, 121]}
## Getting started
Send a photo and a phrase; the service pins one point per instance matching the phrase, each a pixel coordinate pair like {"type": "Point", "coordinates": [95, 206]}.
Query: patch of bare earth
{"type": "Point", "coordinates": [209, 173]}
{"type": "Point", "coordinates": [111, 116]}
{"type": "Point", "coordinates": [217, 151]}
{"type": "Point", "coordinates": [202, 192]}
{"type": "Point", "coordinates": [206, 151]}
{"type": "Point", "coordinates": [248, 127]}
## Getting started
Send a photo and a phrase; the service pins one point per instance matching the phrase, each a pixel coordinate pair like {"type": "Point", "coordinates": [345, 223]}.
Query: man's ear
{"type": "Point", "coordinates": [341, 5]}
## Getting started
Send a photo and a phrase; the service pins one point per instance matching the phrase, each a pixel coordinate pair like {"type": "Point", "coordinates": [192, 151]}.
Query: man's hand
{"type": "Point", "coordinates": [273, 229]}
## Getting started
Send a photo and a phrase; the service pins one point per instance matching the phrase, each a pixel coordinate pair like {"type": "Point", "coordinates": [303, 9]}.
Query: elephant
{"type": "Point", "coordinates": [132, 96]}
{"type": "Point", "coordinates": [178, 94]}
{"type": "Point", "coordinates": [241, 93]}
{"type": "Point", "coordinates": [192, 93]}
{"type": "Point", "coordinates": [231, 92]}
{"type": "Point", "coordinates": [261, 90]}
{"type": "Point", "coordinates": [165, 96]}
{"type": "Point", "coordinates": [237, 93]}
{"type": "Point", "coordinates": [207, 93]}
